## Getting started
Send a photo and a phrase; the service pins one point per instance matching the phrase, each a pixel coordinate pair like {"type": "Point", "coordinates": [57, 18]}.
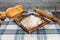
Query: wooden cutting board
{"type": "Point", "coordinates": [18, 20]}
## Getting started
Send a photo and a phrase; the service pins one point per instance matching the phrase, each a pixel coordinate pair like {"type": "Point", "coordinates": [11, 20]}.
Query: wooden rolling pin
{"type": "Point", "coordinates": [46, 14]}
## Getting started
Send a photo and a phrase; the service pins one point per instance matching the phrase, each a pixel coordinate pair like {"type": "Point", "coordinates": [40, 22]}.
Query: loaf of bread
{"type": "Point", "coordinates": [15, 11]}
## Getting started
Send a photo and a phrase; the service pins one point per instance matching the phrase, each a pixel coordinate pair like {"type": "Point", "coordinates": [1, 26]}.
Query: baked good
{"type": "Point", "coordinates": [15, 11]}
{"type": "Point", "coordinates": [46, 14]}
{"type": "Point", "coordinates": [1, 22]}
{"type": "Point", "coordinates": [31, 22]}
{"type": "Point", "coordinates": [2, 17]}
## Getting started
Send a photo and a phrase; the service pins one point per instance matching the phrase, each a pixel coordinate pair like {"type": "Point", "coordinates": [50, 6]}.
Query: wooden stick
{"type": "Point", "coordinates": [46, 14]}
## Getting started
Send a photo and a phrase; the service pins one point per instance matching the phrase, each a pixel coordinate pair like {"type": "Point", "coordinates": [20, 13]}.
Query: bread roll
{"type": "Point", "coordinates": [15, 11]}
{"type": "Point", "coordinates": [2, 15]}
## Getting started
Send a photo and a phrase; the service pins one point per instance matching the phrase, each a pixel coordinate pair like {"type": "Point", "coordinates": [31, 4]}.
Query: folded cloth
{"type": "Point", "coordinates": [11, 31]}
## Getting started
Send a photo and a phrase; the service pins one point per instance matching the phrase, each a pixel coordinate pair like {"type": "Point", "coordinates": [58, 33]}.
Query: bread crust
{"type": "Point", "coordinates": [15, 11]}
{"type": "Point", "coordinates": [2, 16]}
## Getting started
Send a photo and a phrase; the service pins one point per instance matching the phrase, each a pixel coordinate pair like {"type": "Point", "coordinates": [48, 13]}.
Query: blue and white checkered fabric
{"type": "Point", "coordinates": [11, 31]}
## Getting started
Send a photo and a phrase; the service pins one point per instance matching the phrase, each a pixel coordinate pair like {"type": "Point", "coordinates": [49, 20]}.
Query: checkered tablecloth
{"type": "Point", "coordinates": [11, 31]}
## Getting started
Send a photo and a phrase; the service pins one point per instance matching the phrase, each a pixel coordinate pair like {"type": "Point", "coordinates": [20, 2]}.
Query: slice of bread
{"type": "Point", "coordinates": [31, 22]}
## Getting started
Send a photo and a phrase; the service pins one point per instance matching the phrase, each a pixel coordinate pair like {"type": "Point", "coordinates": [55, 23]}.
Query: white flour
{"type": "Point", "coordinates": [31, 21]}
